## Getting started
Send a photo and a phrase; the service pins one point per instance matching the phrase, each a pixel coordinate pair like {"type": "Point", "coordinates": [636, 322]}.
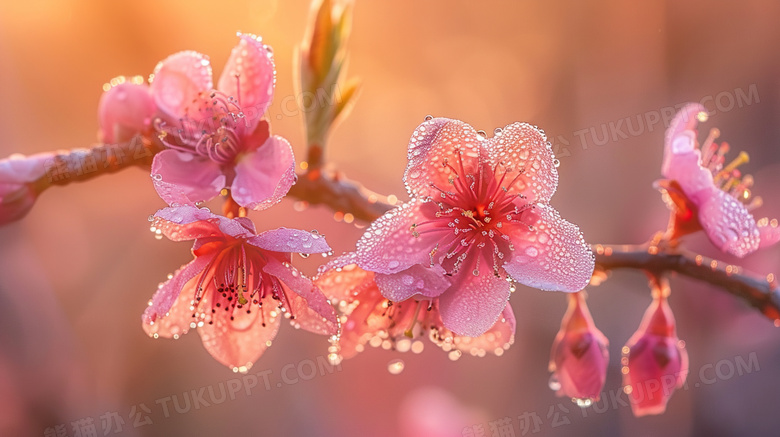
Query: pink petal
{"type": "Point", "coordinates": [341, 278]}
{"type": "Point", "coordinates": [474, 303]}
{"type": "Point", "coordinates": [769, 232]}
{"type": "Point", "coordinates": [552, 256]}
{"type": "Point", "coordinates": [178, 80]}
{"type": "Point", "coordinates": [433, 143]}
{"type": "Point", "coordinates": [729, 224]}
{"type": "Point", "coordinates": [290, 240]}
{"type": "Point", "coordinates": [423, 282]}
{"type": "Point", "coordinates": [310, 308]}
{"type": "Point", "coordinates": [124, 111]}
{"type": "Point", "coordinates": [239, 343]}
{"type": "Point", "coordinates": [264, 176]}
{"type": "Point", "coordinates": [183, 178]}
{"type": "Point", "coordinates": [188, 223]}
{"type": "Point", "coordinates": [526, 151]}
{"type": "Point", "coordinates": [168, 313]}
{"type": "Point", "coordinates": [682, 159]}
{"type": "Point", "coordinates": [685, 120]}
{"type": "Point", "coordinates": [495, 340]}
{"type": "Point", "coordinates": [389, 246]}
{"type": "Point", "coordinates": [253, 63]}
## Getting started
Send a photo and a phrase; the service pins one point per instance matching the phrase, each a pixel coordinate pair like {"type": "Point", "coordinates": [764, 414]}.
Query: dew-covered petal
{"type": "Point", "coordinates": [240, 342]}
{"type": "Point", "coordinates": [684, 121]}
{"type": "Point", "coordinates": [290, 241]}
{"type": "Point", "coordinates": [682, 159]}
{"type": "Point", "coordinates": [390, 246]}
{"type": "Point", "coordinates": [439, 149]}
{"type": "Point", "coordinates": [178, 80]}
{"type": "Point", "coordinates": [124, 111]}
{"type": "Point", "coordinates": [249, 75]}
{"type": "Point", "coordinates": [729, 224]}
{"type": "Point", "coordinates": [183, 178]}
{"type": "Point", "coordinates": [424, 282]}
{"type": "Point", "coordinates": [551, 256]}
{"type": "Point", "coordinates": [769, 232]}
{"type": "Point", "coordinates": [342, 279]}
{"type": "Point", "coordinates": [264, 177]}
{"type": "Point", "coordinates": [474, 303]}
{"type": "Point", "coordinates": [189, 222]}
{"type": "Point", "coordinates": [168, 313]}
{"type": "Point", "coordinates": [495, 340]}
{"type": "Point", "coordinates": [310, 308]}
{"type": "Point", "coordinates": [524, 152]}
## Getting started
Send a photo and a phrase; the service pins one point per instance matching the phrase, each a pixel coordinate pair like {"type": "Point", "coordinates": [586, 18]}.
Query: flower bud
{"type": "Point", "coordinates": [125, 110]}
{"type": "Point", "coordinates": [21, 178]}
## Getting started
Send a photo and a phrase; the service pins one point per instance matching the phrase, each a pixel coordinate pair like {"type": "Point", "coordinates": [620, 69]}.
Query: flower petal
{"type": "Point", "coordinates": [553, 256]}
{"type": "Point", "coordinates": [310, 308]}
{"type": "Point", "coordinates": [424, 282]}
{"type": "Point", "coordinates": [168, 313]}
{"type": "Point", "coordinates": [285, 240]}
{"type": "Point", "coordinates": [729, 224]}
{"type": "Point", "coordinates": [264, 176]}
{"type": "Point", "coordinates": [124, 111]}
{"type": "Point", "coordinates": [178, 80]}
{"type": "Point", "coordinates": [250, 75]}
{"type": "Point", "coordinates": [18, 174]}
{"type": "Point", "coordinates": [389, 245]}
{"type": "Point", "coordinates": [342, 279]}
{"type": "Point", "coordinates": [769, 232]}
{"type": "Point", "coordinates": [183, 178]}
{"type": "Point", "coordinates": [474, 303]}
{"type": "Point", "coordinates": [438, 149]}
{"type": "Point", "coordinates": [495, 340]}
{"type": "Point", "coordinates": [240, 342]}
{"type": "Point", "coordinates": [189, 222]}
{"type": "Point", "coordinates": [528, 156]}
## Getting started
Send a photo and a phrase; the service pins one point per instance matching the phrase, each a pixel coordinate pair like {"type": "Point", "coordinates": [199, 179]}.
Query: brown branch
{"type": "Point", "coordinates": [760, 292]}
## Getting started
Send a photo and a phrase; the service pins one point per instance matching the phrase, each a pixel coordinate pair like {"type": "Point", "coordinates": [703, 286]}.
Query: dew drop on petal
{"type": "Point", "coordinates": [583, 402]}
{"type": "Point", "coordinates": [428, 117]}
{"type": "Point", "coordinates": [554, 384]}
{"type": "Point", "coordinates": [395, 366]}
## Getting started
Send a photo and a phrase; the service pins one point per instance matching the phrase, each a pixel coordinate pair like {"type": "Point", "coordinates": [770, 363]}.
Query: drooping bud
{"type": "Point", "coordinates": [655, 361]}
{"type": "Point", "coordinates": [21, 180]}
{"type": "Point", "coordinates": [579, 355]}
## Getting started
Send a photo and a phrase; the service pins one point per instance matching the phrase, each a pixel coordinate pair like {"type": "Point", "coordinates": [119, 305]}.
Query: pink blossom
{"type": "Point", "coordinates": [125, 110]}
{"type": "Point", "coordinates": [238, 287]}
{"type": "Point", "coordinates": [706, 193]}
{"type": "Point", "coordinates": [479, 215]}
{"type": "Point", "coordinates": [216, 137]}
{"type": "Point", "coordinates": [579, 356]}
{"type": "Point", "coordinates": [21, 180]}
{"type": "Point", "coordinates": [656, 362]}
{"type": "Point", "coordinates": [369, 317]}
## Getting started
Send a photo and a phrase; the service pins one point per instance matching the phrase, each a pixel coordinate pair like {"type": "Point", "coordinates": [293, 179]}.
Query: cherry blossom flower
{"type": "Point", "coordinates": [579, 356]}
{"type": "Point", "coordinates": [126, 109]}
{"type": "Point", "coordinates": [21, 180]}
{"type": "Point", "coordinates": [370, 318]}
{"type": "Point", "coordinates": [216, 137]}
{"type": "Point", "coordinates": [237, 288]}
{"type": "Point", "coordinates": [655, 360]}
{"type": "Point", "coordinates": [706, 193]}
{"type": "Point", "coordinates": [479, 215]}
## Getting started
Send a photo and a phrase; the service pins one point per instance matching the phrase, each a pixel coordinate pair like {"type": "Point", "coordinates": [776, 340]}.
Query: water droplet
{"type": "Point", "coordinates": [556, 162]}
{"type": "Point", "coordinates": [553, 383]}
{"type": "Point", "coordinates": [583, 402]}
{"type": "Point", "coordinates": [304, 255]}
{"type": "Point", "coordinates": [454, 355]}
{"type": "Point", "coordinates": [497, 131]}
{"type": "Point", "coordinates": [428, 117]}
{"type": "Point", "coordinates": [395, 366]}
{"type": "Point", "coordinates": [393, 264]}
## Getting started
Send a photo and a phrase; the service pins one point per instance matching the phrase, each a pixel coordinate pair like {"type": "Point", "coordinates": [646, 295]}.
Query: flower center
{"type": "Point", "coordinates": [473, 213]}
{"type": "Point", "coordinates": [235, 281]}
{"type": "Point", "coordinates": [212, 127]}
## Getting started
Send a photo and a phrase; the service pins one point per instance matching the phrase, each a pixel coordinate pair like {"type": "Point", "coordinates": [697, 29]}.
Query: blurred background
{"type": "Point", "coordinates": [600, 77]}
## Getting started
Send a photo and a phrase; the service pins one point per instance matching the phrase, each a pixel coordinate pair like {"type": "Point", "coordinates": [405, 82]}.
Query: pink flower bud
{"type": "Point", "coordinates": [579, 355]}
{"type": "Point", "coordinates": [125, 110]}
{"type": "Point", "coordinates": [655, 361]}
{"type": "Point", "coordinates": [21, 178]}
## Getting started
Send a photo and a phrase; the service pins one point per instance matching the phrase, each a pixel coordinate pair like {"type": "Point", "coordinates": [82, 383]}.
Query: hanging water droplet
{"type": "Point", "coordinates": [556, 162]}
{"type": "Point", "coordinates": [553, 383]}
{"type": "Point", "coordinates": [428, 117]}
{"type": "Point", "coordinates": [304, 255]}
{"type": "Point", "coordinates": [482, 134]}
{"type": "Point", "coordinates": [497, 131]}
{"type": "Point", "coordinates": [395, 366]}
{"type": "Point", "coordinates": [583, 402]}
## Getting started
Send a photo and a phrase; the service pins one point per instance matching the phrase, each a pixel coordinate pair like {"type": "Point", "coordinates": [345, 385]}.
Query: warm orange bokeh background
{"type": "Point", "coordinates": [75, 274]}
